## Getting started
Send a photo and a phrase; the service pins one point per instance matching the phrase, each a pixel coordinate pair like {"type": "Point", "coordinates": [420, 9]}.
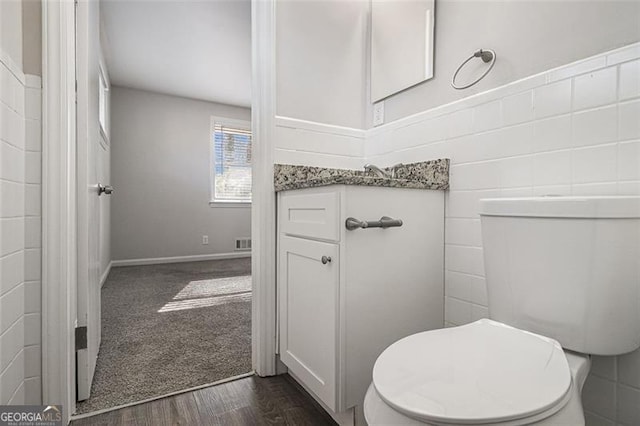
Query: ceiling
{"type": "Point", "coordinates": [192, 48]}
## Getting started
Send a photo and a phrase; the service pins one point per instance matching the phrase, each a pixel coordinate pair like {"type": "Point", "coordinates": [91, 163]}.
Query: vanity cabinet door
{"type": "Point", "coordinates": [308, 280]}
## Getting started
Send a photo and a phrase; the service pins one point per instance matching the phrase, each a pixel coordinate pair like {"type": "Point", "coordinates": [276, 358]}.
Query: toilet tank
{"type": "Point", "coordinates": [567, 268]}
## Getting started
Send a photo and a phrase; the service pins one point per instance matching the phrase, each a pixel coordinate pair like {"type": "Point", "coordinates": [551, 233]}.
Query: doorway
{"type": "Point", "coordinates": [60, 204]}
{"type": "Point", "coordinates": [164, 268]}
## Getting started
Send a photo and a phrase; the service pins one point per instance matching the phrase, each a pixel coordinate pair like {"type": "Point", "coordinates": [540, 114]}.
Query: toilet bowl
{"type": "Point", "coordinates": [562, 273]}
{"type": "Point", "coordinates": [483, 373]}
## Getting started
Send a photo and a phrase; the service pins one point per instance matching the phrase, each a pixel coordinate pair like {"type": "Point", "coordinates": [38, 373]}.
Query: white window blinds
{"type": "Point", "coordinates": [232, 164]}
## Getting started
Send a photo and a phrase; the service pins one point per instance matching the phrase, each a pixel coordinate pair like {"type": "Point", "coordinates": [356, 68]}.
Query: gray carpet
{"type": "Point", "coordinates": [170, 327]}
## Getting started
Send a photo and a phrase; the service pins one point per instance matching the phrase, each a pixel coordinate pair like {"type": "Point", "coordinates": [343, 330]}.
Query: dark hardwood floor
{"type": "Point", "coordinates": [253, 400]}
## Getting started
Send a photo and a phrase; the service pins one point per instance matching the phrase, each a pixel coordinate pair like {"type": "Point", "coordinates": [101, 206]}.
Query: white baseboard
{"type": "Point", "coordinates": [180, 259]}
{"type": "Point", "coordinates": [105, 274]}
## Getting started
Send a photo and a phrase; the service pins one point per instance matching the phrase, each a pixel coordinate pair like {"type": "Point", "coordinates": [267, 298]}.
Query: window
{"type": "Point", "coordinates": [103, 102]}
{"type": "Point", "coordinates": [231, 171]}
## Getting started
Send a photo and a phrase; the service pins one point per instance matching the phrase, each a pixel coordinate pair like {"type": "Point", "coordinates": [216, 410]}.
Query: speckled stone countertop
{"type": "Point", "coordinates": [425, 175]}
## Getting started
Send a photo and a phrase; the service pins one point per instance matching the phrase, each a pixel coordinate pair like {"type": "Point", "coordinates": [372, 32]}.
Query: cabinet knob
{"type": "Point", "coordinates": [326, 259]}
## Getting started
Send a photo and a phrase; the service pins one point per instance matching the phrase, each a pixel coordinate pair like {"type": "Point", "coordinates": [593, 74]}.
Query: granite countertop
{"type": "Point", "coordinates": [432, 174]}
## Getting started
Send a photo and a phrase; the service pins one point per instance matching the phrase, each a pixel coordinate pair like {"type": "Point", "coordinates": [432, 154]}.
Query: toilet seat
{"type": "Point", "coordinates": [480, 373]}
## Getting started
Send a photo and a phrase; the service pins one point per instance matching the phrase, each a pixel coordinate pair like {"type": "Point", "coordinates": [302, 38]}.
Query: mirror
{"type": "Point", "coordinates": [401, 45]}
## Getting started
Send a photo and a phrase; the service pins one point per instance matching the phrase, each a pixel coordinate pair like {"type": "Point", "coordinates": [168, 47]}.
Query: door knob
{"type": "Point", "coordinates": [105, 189]}
{"type": "Point", "coordinates": [326, 259]}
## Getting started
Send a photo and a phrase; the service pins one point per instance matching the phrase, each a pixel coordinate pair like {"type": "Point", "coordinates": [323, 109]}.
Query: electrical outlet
{"type": "Point", "coordinates": [378, 113]}
{"type": "Point", "coordinates": [205, 240]}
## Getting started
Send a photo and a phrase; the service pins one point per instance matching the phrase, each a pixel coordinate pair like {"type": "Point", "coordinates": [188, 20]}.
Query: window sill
{"type": "Point", "coordinates": [230, 204]}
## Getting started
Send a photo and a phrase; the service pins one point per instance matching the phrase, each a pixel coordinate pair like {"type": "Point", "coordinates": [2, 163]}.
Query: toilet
{"type": "Point", "coordinates": [563, 283]}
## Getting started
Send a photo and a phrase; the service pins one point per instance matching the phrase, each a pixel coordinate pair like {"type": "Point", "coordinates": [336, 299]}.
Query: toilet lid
{"type": "Point", "coordinates": [483, 372]}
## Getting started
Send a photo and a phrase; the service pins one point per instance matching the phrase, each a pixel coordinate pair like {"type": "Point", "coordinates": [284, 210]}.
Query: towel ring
{"type": "Point", "coordinates": [487, 55]}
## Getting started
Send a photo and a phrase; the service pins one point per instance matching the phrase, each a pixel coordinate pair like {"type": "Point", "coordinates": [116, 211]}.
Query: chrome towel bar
{"type": "Point", "coordinates": [385, 222]}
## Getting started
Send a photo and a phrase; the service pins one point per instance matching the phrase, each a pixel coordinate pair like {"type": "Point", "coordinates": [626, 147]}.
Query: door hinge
{"type": "Point", "coordinates": [81, 338]}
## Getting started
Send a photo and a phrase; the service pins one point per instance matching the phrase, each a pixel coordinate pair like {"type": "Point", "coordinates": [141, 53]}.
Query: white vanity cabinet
{"type": "Point", "coordinates": [345, 295]}
{"type": "Point", "coordinates": [309, 290]}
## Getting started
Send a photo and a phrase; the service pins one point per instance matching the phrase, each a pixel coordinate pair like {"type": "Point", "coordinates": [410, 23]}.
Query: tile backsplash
{"type": "Point", "coordinates": [20, 236]}
{"type": "Point", "coordinates": [574, 130]}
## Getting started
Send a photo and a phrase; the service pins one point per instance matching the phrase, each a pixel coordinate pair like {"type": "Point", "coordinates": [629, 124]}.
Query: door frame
{"type": "Point", "coordinates": [60, 204]}
{"type": "Point", "coordinates": [263, 204]}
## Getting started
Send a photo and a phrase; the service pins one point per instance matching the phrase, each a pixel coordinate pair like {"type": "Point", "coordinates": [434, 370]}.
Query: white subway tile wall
{"type": "Point", "coordinates": [629, 80]}
{"type": "Point", "coordinates": [552, 99]}
{"type": "Point", "coordinates": [307, 143]}
{"type": "Point", "coordinates": [595, 89]}
{"type": "Point", "coordinates": [571, 130]}
{"type": "Point", "coordinates": [20, 237]}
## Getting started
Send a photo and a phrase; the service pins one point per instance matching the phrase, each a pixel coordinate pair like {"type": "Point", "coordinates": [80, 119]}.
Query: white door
{"type": "Point", "coordinates": [88, 151]}
{"type": "Point", "coordinates": [308, 289]}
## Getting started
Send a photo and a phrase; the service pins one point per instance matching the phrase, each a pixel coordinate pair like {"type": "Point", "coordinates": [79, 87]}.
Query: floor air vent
{"type": "Point", "coordinates": [243, 244]}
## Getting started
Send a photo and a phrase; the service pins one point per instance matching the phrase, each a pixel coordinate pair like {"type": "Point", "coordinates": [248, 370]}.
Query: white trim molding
{"type": "Point", "coordinates": [263, 212]}
{"type": "Point", "coordinates": [59, 239]}
{"type": "Point", "coordinates": [296, 123]}
{"type": "Point", "coordinates": [176, 259]}
{"type": "Point", "coordinates": [33, 81]}
{"type": "Point", "coordinates": [13, 67]}
{"type": "Point", "coordinates": [105, 274]}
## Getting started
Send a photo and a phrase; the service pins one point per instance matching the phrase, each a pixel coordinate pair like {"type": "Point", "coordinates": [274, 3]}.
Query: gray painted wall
{"type": "Point", "coordinates": [104, 176]}
{"type": "Point", "coordinates": [160, 172]}
{"type": "Point", "coordinates": [322, 51]}
{"type": "Point", "coordinates": [32, 37]}
{"type": "Point", "coordinates": [528, 36]}
{"type": "Point", "coordinates": [11, 30]}
{"type": "Point", "coordinates": [321, 61]}
{"type": "Point", "coordinates": [21, 33]}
